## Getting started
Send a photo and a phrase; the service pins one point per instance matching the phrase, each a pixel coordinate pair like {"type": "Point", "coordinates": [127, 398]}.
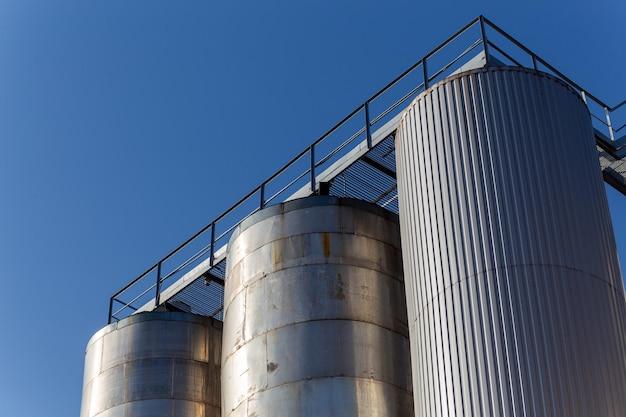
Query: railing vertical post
{"type": "Point", "coordinates": [483, 37]}
{"type": "Point", "coordinates": [212, 247]}
{"type": "Point", "coordinates": [312, 152]}
{"type": "Point", "coordinates": [157, 299]}
{"type": "Point", "coordinates": [425, 70]}
{"type": "Point", "coordinates": [368, 131]}
{"type": "Point", "coordinates": [534, 58]}
{"type": "Point", "coordinates": [110, 310]}
{"type": "Point", "coordinates": [608, 123]}
{"type": "Point", "coordinates": [262, 192]}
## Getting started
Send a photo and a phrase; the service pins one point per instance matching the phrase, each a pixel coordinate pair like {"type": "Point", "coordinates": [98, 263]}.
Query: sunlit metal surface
{"type": "Point", "coordinates": [315, 316]}
{"type": "Point", "coordinates": [515, 298]}
{"type": "Point", "coordinates": [154, 364]}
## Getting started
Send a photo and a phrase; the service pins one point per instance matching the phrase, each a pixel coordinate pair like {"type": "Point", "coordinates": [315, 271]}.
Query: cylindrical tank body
{"type": "Point", "coordinates": [515, 298]}
{"type": "Point", "coordinates": [315, 315]}
{"type": "Point", "coordinates": [156, 364]}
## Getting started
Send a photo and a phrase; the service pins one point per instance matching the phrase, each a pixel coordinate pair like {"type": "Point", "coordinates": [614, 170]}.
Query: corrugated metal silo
{"type": "Point", "coordinates": [315, 316]}
{"type": "Point", "coordinates": [515, 298]}
{"type": "Point", "coordinates": [157, 364]}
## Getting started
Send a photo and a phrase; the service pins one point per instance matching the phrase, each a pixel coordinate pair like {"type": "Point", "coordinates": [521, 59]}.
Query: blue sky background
{"type": "Point", "coordinates": [125, 126]}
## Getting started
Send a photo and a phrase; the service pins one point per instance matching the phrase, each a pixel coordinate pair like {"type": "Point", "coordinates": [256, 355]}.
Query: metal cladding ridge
{"type": "Point", "coordinates": [515, 297]}
{"type": "Point", "coordinates": [315, 316]}
{"type": "Point", "coordinates": [154, 364]}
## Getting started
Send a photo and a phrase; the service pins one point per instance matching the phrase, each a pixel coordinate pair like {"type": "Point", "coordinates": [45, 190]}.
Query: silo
{"type": "Point", "coordinates": [515, 298]}
{"type": "Point", "coordinates": [156, 364]}
{"type": "Point", "coordinates": [315, 316]}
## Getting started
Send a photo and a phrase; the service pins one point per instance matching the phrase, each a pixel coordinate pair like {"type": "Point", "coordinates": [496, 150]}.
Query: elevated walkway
{"type": "Point", "coordinates": [355, 158]}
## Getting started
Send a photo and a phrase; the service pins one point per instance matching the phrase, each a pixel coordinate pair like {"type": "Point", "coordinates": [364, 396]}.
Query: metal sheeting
{"type": "Point", "coordinates": [315, 317]}
{"type": "Point", "coordinates": [515, 298]}
{"type": "Point", "coordinates": [157, 363]}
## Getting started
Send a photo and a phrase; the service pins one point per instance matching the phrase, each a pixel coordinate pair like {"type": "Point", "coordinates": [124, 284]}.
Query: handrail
{"type": "Point", "coordinates": [363, 111]}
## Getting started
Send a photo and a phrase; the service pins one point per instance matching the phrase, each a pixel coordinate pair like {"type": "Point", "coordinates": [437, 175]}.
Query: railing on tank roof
{"type": "Point", "coordinates": [356, 127]}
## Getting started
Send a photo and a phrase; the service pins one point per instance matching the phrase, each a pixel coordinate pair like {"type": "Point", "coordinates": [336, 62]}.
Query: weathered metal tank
{"type": "Point", "coordinates": [315, 316]}
{"type": "Point", "coordinates": [164, 364]}
{"type": "Point", "coordinates": [515, 297]}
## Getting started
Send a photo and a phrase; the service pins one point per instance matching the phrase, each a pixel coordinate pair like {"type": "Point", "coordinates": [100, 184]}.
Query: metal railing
{"type": "Point", "coordinates": [356, 128]}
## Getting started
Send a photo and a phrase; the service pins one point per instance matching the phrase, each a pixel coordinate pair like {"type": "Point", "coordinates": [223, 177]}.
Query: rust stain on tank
{"type": "Point", "coordinates": [276, 252]}
{"type": "Point", "coordinates": [326, 244]}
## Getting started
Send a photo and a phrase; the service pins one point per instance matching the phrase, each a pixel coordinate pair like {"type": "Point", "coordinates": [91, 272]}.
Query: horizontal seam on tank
{"type": "Point", "coordinates": [268, 242]}
{"type": "Point", "coordinates": [153, 357]}
{"type": "Point", "coordinates": [401, 281]}
{"type": "Point", "coordinates": [611, 286]}
{"type": "Point", "coordinates": [161, 399]}
{"type": "Point", "coordinates": [403, 389]}
{"type": "Point", "coordinates": [342, 377]}
{"type": "Point", "coordinates": [124, 402]}
{"type": "Point", "coordinates": [406, 335]}
{"type": "Point", "coordinates": [395, 223]}
{"type": "Point", "coordinates": [265, 274]}
{"type": "Point", "coordinates": [246, 399]}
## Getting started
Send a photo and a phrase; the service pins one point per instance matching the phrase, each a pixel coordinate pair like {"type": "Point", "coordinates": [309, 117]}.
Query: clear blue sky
{"type": "Point", "coordinates": [127, 125]}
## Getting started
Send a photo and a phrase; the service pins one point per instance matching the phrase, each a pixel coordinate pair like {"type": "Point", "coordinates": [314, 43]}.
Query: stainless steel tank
{"type": "Point", "coordinates": [315, 317]}
{"type": "Point", "coordinates": [515, 297]}
{"type": "Point", "coordinates": [164, 364]}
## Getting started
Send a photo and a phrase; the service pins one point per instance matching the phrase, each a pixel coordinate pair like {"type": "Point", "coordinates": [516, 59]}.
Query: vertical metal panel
{"type": "Point", "coordinates": [154, 364]}
{"type": "Point", "coordinates": [515, 297]}
{"type": "Point", "coordinates": [315, 317]}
